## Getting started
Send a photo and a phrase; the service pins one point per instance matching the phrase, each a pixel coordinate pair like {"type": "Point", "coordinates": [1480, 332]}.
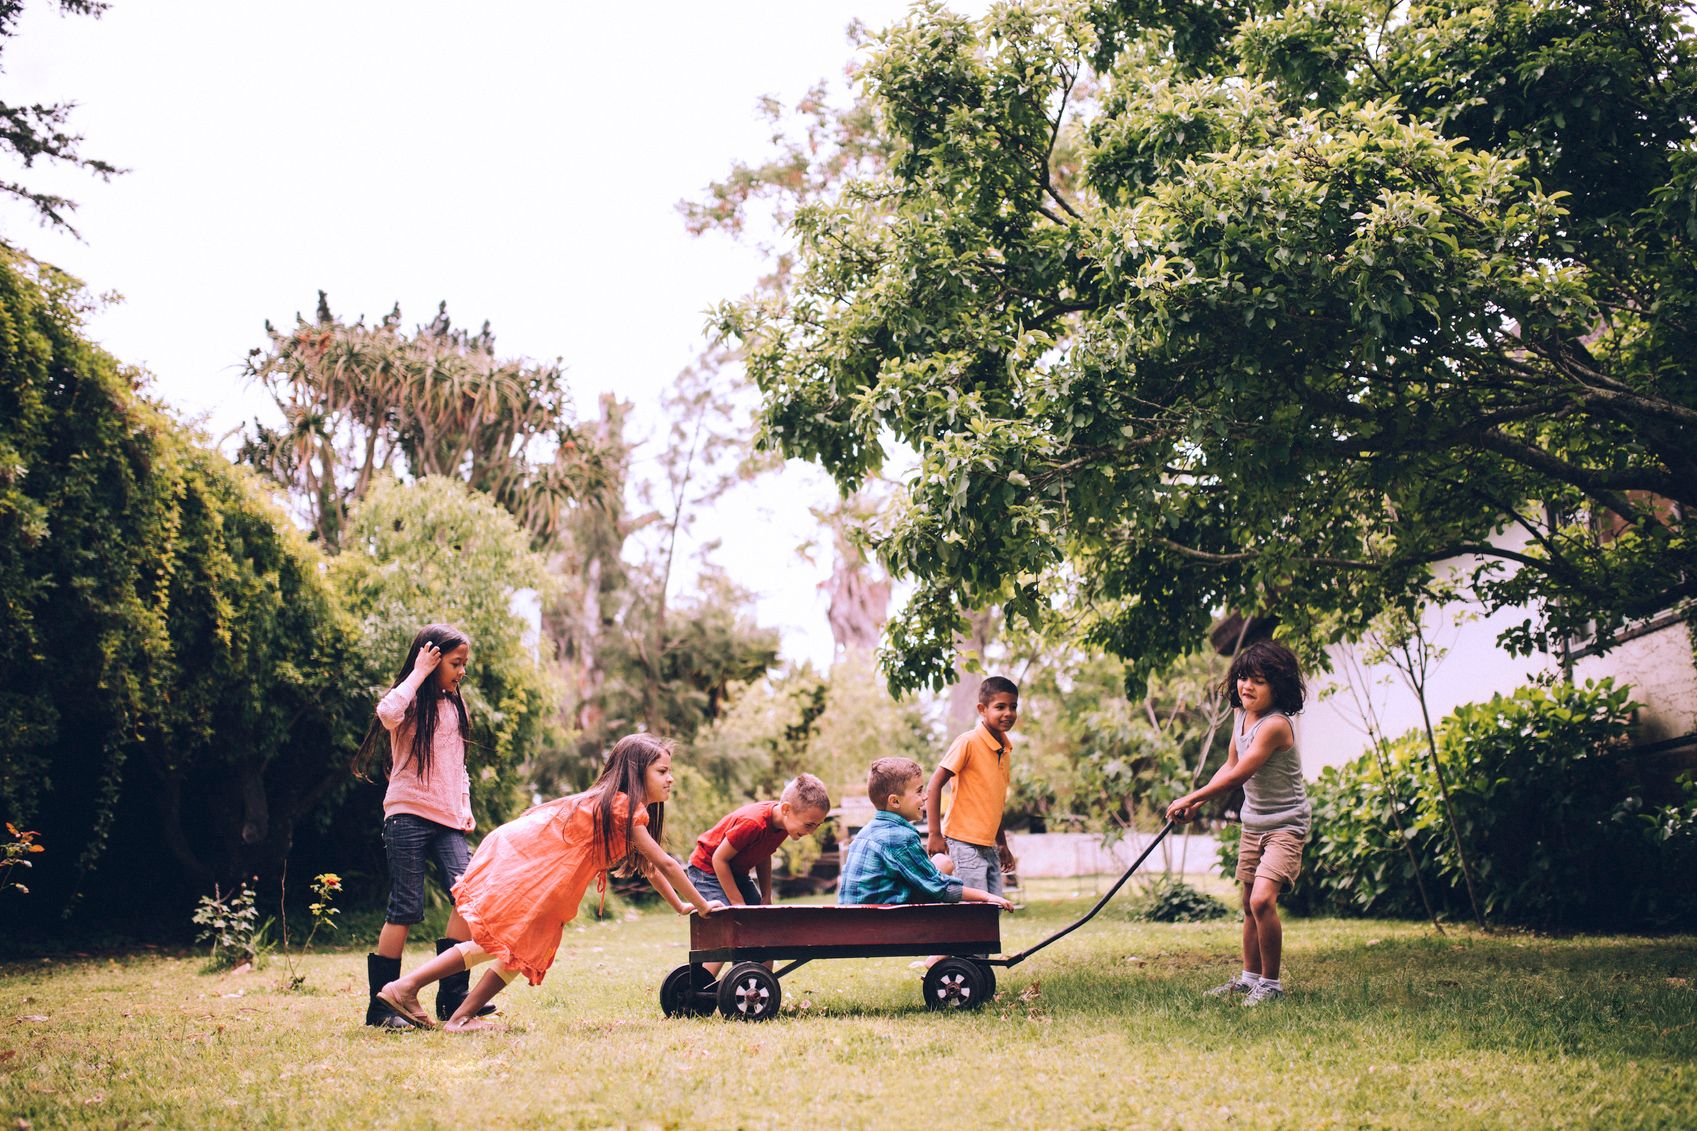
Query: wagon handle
{"type": "Point", "coordinates": [1091, 914]}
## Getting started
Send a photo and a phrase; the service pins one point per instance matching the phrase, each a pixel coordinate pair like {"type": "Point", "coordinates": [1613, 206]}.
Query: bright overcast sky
{"type": "Point", "coordinates": [522, 161]}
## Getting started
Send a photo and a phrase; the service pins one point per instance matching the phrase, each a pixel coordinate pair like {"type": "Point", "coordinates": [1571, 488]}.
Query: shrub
{"type": "Point", "coordinates": [1168, 899]}
{"type": "Point", "coordinates": [1549, 808]}
{"type": "Point", "coordinates": [230, 922]}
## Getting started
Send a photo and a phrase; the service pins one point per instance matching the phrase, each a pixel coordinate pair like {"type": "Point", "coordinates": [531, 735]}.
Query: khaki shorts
{"type": "Point", "coordinates": [1274, 855]}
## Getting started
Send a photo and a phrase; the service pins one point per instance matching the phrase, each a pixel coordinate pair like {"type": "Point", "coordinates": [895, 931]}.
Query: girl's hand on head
{"type": "Point", "coordinates": [429, 656]}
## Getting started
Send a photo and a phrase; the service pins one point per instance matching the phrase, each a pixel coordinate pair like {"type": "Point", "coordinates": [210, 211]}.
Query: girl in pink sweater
{"type": "Point", "coordinates": [418, 740]}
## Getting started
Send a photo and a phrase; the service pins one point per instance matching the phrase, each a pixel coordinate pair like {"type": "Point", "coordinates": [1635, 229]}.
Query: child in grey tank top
{"type": "Point", "coordinates": [1274, 796]}
{"type": "Point", "coordinates": [1265, 685]}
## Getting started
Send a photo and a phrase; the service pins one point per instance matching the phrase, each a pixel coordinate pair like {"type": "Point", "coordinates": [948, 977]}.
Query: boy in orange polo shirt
{"type": "Point", "coordinates": [980, 761]}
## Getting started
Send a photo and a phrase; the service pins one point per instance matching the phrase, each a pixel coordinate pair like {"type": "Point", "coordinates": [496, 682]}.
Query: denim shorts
{"type": "Point", "coordinates": [410, 841]}
{"type": "Point", "coordinates": [708, 885]}
{"type": "Point", "coordinates": [976, 865]}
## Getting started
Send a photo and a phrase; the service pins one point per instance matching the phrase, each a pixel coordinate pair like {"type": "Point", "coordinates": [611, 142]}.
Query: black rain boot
{"type": "Point", "coordinates": [379, 972]}
{"type": "Point", "coordinates": [450, 991]}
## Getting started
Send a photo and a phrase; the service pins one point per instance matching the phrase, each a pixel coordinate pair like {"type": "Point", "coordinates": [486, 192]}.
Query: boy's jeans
{"type": "Point", "coordinates": [976, 865]}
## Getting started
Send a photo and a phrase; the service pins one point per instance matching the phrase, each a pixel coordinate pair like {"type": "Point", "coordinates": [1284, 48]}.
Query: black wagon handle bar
{"type": "Point", "coordinates": [1015, 959]}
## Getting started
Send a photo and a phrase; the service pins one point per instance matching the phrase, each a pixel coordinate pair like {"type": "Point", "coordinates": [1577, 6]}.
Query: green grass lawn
{"type": "Point", "coordinates": [1386, 1025]}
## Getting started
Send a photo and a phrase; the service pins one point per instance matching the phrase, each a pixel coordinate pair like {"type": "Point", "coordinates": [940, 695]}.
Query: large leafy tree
{"type": "Point", "coordinates": [1257, 306]}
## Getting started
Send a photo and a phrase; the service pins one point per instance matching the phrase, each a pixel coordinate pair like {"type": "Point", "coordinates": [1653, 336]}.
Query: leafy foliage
{"type": "Point", "coordinates": [229, 922]}
{"type": "Point", "coordinates": [1184, 309]}
{"type": "Point", "coordinates": [1560, 830]}
{"type": "Point", "coordinates": [15, 852]}
{"type": "Point", "coordinates": [437, 550]}
{"type": "Point", "coordinates": [1168, 899]}
{"type": "Point", "coordinates": [41, 132]}
{"type": "Point", "coordinates": [359, 400]}
{"type": "Point", "coordinates": [1094, 758]}
{"type": "Point", "coordinates": [179, 701]}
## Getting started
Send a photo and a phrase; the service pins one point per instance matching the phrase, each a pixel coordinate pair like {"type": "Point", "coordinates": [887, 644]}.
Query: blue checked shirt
{"type": "Point", "coordinates": [886, 863]}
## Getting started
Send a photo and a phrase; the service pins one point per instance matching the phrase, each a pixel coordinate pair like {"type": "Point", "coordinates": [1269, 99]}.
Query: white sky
{"type": "Point", "coordinates": [520, 160]}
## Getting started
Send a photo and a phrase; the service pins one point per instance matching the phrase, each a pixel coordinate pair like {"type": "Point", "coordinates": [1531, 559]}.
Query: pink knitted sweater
{"type": "Point", "coordinates": [446, 796]}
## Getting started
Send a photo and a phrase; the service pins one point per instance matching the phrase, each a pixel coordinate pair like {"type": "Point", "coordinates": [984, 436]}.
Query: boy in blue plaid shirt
{"type": "Point", "coordinates": [885, 862]}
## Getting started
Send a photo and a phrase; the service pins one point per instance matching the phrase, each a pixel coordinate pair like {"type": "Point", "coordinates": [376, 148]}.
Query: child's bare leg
{"type": "Point", "coordinates": [1269, 931]}
{"type": "Point", "coordinates": [465, 1018]}
{"type": "Point", "coordinates": [457, 929]}
{"type": "Point", "coordinates": [392, 940]}
{"type": "Point", "coordinates": [402, 993]}
{"type": "Point", "coordinates": [1251, 936]}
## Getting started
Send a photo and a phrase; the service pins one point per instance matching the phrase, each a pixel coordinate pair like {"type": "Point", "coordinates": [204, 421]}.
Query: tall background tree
{"type": "Point", "coordinates": [357, 401]}
{"type": "Point", "coordinates": [1251, 307]}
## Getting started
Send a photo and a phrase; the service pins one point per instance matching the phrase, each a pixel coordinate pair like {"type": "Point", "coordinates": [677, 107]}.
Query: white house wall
{"type": "Point", "coordinates": [1657, 665]}
{"type": "Point", "coordinates": [1659, 668]}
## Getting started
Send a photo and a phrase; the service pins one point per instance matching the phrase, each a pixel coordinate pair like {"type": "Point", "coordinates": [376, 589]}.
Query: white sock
{"type": "Point", "coordinates": [1248, 979]}
{"type": "Point", "coordinates": [1272, 984]}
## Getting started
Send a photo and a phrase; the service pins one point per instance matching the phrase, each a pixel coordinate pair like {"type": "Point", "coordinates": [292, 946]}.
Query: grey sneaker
{"type": "Point", "coordinates": [1227, 989]}
{"type": "Point", "coordinates": [1262, 994]}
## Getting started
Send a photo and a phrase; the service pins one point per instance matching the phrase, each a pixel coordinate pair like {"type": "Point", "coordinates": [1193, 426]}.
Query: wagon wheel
{"type": "Point", "coordinates": [988, 972]}
{"type": "Point", "coordinates": [687, 991]}
{"type": "Point", "coordinates": [956, 983]}
{"type": "Point", "coordinates": [749, 992]}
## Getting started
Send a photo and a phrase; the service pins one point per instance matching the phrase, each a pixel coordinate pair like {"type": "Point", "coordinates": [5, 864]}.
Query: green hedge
{"type": "Point", "coordinates": [1549, 807]}
{"type": "Point", "coordinates": [174, 702]}
{"type": "Point", "coordinates": [187, 675]}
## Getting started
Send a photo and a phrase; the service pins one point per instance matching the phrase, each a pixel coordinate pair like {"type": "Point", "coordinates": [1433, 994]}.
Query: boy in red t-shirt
{"type": "Point", "coordinates": [732, 861]}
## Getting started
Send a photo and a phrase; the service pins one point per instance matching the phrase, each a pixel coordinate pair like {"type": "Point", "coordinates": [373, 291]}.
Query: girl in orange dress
{"type": "Point", "coordinates": [528, 876]}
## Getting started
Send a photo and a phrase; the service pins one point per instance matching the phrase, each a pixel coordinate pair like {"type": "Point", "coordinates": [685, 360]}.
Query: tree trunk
{"type": "Point", "coordinates": [963, 694]}
{"type": "Point", "coordinates": [1449, 814]}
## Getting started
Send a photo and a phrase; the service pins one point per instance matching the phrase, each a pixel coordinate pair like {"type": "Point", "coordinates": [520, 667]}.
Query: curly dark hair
{"type": "Point", "coordinates": [1271, 661]}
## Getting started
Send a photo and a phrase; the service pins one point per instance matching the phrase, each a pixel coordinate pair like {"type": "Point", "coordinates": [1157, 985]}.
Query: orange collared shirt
{"type": "Point", "coordinates": [983, 771]}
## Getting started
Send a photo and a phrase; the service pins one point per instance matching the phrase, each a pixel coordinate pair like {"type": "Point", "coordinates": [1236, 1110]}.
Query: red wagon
{"type": "Point", "coordinates": [746, 938]}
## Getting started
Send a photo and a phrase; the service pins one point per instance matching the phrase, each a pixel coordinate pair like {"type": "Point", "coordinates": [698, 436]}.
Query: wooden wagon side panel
{"type": "Point", "coordinates": [845, 931]}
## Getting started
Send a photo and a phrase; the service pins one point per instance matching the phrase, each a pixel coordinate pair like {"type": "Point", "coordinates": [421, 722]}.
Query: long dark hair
{"type": "Point", "coordinates": [1275, 663]}
{"type": "Point", "coordinates": [373, 752]}
{"type": "Point", "coordinates": [625, 771]}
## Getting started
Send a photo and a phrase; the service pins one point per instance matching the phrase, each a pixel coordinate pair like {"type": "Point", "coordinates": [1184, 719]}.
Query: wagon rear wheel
{"type": "Point", "coordinates": [749, 993]}
{"type": "Point", "coordinates": [956, 983]}
{"type": "Point", "coordinates": [687, 991]}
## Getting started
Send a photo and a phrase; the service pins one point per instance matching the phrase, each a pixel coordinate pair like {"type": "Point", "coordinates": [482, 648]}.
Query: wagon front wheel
{"type": "Point", "coordinates": [956, 983]}
{"type": "Point", "coordinates": [749, 993]}
{"type": "Point", "coordinates": [687, 991]}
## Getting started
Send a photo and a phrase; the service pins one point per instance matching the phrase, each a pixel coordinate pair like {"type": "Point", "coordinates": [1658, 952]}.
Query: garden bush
{"type": "Point", "coordinates": [1168, 899]}
{"type": "Point", "coordinates": [1550, 810]}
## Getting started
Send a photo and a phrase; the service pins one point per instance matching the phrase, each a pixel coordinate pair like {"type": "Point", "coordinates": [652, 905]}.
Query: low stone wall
{"type": "Point", "coordinates": [1082, 854]}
